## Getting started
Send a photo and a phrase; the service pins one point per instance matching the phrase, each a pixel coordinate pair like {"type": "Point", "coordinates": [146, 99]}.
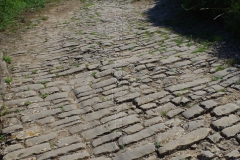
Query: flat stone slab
{"type": "Point", "coordinates": [209, 104]}
{"type": "Point", "coordinates": [136, 153]}
{"type": "Point", "coordinates": [80, 155]}
{"type": "Point", "coordinates": [104, 83]}
{"type": "Point", "coordinates": [193, 112]}
{"type": "Point", "coordinates": [22, 153]}
{"type": "Point", "coordinates": [188, 84]}
{"type": "Point", "coordinates": [231, 131]}
{"type": "Point", "coordinates": [71, 71]}
{"type": "Point", "coordinates": [149, 98]}
{"type": "Point", "coordinates": [106, 148]}
{"type": "Point", "coordinates": [185, 140]}
{"type": "Point", "coordinates": [60, 151]}
{"type": "Point", "coordinates": [225, 121]}
{"type": "Point", "coordinates": [57, 96]}
{"type": "Point", "coordinates": [107, 127]}
{"type": "Point", "coordinates": [225, 109]}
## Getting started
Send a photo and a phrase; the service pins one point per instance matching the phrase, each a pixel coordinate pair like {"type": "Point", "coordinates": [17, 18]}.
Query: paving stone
{"type": "Point", "coordinates": [174, 112]}
{"type": "Point", "coordinates": [148, 106]}
{"type": "Point", "coordinates": [193, 112]}
{"type": "Point", "coordinates": [101, 158]}
{"type": "Point", "coordinates": [41, 139]}
{"type": "Point", "coordinates": [75, 156]}
{"type": "Point", "coordinates": [215, 138]}
{"type": "Point", "coordinates": [206, 155]}
{"type": "Point", "coordinates": [34, 87]}
{"type": "Point", "coordinates": [107, 127]}
{"type": "Point", "coordinates": [136, 153]}
{"type": "Point", "coordinates": [90, 102]}
{"type": "Point", "coordinates": [11, 129]}
{"type": "Point", "coordinates": [104, 83]}
{"type": "Point", "coordinates": [195, 124]}
{"type": "Point", "coordinates": [60, 151]}
{"type": "Point", "coordinates": [22, 153]}
{"type": "Point", "coordinates": [103, 105]}
{"type": "Point", "coordinates": [75, 112]}
{"type": "Point", "coordinates": [164, 108]}
{"type": "Point", "coordinates": [152, 121]}
{"type": "Point", "coordinates": [96, 115]}
{"type": "Point", "coordinates": [188, 84]}
{"type": "Point", "coordinates": [42, 114]}
{"type": "Point", "coordinates": [56, 96]}
{"type": "Point", "coordinates": [83, 127]}
{"type": "Point", "coordinates": [209, 104]}
{"type": "Point", "coordinates": [112, 117]}
{"type": "Point", "coordinates": [26, 94]}
{"type": "Point", "coordinates": [225, 121]}
{"type": "Point", "coordinates": [49, 90]}
{"type": "Point", "coordinates": [233, 154]}
{"type": "Point", "coordinates": [173, 133]}
{"type": "Point", "coordinates": [180, 100]}
{"type": "Point", "coordinates": [147, 132]}
{"type": "Point", "coordinates": [56, 83]}
{"type": "Point", "coordinates": [134, 128]}
{"type": "Point", "coordinates": [28, 133]}
{"type": "Point", "coordinates": [90, 93]}
{"type": "Point", "coordinates": [182, 157]}
{"type": "Point", "coordinates": [68, 140]}
{"type": "Point", "coordinates": [71, 71]}
{"type": "Point", "coordinates": [82, 90]}
{"type": "Point", "coordinates": [225, 109]}
{"type": "Point", "coordinates": [106, 148]}
{"type": "Point", "coordinates": [127, 97]}
{"type": "Point", "coordinates": [104, 73]}
{"type": "Point", "coordinates": [149, 98]}
{"type": "Point", "coordinates": [106, 138]}
{"type": "Point", "coordinates": [185, 140]}
{"type": "Point", "coordinates": [169, 60]}
{"type": "Point", "coordinates": [64, 121]}
{"type": "Point", "coordinates": [231, 131]}
{"type": "Point", "coordinates": [22, 101]}
{"type": "Point", "coordinates": [230, 81]}
{"type": "Point", "coordinates": [225, 72]}
{"type": "Point", "coordinates": [12, 148]}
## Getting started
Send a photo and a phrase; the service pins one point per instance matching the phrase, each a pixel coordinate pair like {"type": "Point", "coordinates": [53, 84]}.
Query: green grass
{"type": "Point", "coordinates": [28, 103]}
{"type": "Point", "coordinates": [94, 73]}
{"type": "Point", "coordinates": [164, 113]}
{"type": "Point", "coordinates": [237, 82]}
{"type": "Point", "coordinates": [44, 95]}
{"type": "Point", "coordinates": [220, 68]}
{"type": "Point", "coordinates": [216, 78]}
{"type": "Point", "coordinates": [7, 59]}
{"type": "Point", "coordinates": [34, 71]}
{"type": "Point", "coordinates": [11, 11]}
{"type": "Point", "coordinates": [157, 144]}
{"type": "Point", "coordinates": [8, 80]}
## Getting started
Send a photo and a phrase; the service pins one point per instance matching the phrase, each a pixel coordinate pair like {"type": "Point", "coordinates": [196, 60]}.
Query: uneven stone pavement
{"type": "Point", "coordinates": [107, 85]}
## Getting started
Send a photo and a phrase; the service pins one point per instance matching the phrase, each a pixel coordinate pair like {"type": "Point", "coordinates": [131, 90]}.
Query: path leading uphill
{"type": "Point", "coordinates": [96, 81]}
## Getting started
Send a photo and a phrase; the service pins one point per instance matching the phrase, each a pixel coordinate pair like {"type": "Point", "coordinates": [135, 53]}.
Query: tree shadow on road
{"type": "Point", "coordinates": [170, 14]}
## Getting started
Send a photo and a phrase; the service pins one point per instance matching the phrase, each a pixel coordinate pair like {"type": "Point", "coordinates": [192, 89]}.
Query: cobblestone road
{"type": "Point", "coordinates": [107, 85]}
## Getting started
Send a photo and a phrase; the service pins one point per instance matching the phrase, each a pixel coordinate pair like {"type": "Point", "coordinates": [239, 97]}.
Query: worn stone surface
{"type": "Point", "coordinates": [185, 140]}
{"type": "Point", "coordinates": [100, 81]}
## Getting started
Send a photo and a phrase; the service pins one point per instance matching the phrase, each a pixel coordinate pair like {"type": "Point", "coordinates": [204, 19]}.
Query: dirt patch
{"type": "Point", "coordinates": [23, 40]}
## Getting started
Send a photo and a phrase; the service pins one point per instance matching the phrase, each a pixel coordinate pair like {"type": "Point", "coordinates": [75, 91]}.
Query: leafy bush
{"type": "Point", "coordinates": [10, 9]}
{"type": "Point", "coordinates": [227, 10]}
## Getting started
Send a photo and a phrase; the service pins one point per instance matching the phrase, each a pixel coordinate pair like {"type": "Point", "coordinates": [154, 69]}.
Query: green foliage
{"type": "Point", "coordinates": [8, 80]}
{"type": "Point", "coordinates": [227, 10]}
{"type": "Point", "coordinates": [12, 9]}
{"type": "Point", "coordinates": [7, 59]}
